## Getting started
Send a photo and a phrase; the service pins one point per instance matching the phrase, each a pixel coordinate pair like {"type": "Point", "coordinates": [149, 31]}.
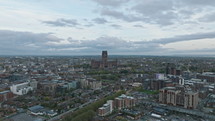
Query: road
{"type": "Point", "coordinates": [181, 110]}
{"type": "Point", "coordinates": [58, 117]}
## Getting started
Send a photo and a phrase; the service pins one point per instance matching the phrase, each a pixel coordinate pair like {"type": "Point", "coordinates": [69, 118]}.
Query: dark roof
{"type": "Point", "coordinates": [160, 110]}
{"type": "Point", "coordinates": [36, 108]}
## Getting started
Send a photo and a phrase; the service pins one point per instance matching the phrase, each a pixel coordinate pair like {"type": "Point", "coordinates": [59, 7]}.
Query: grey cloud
{"type": "Point", "coordinates": [163, 13]}
{"type": "Point", "coordinates": [113, 13]}
{"type": "Point", "coordinates": [117, 45]}
{"type": "Point", "coordinates": [113, 3]}
{"type": "Point", "coordinates": [116, 26]}
{"type": "Point", "coordinates": [121, 15]}
{"type": "Point", "coordinates": [89, 25]}
{"type": "Point", "coordinates": [161, 18]}
{"type": "Point", "coordinates": [151, 7]}
{"type": "Point", "coordinates": [28, 43]}
{"type": "Point", "coordinates": [62, 22]}
{"type": "Point", "coordinates": [138, 25]}
{"type": "Point", "coordinates": [197, 52]}
{"type": "Point", "coordinates": [208, 18]}
{"type": "Point", "coordinates": [100, 20]}
{"type": "Point", "coordinates": [199, 2]}
{"type": "Point", "coordinates": [189, 37]}
{"type": "Point", "coordinates": [157, 11]}
{"type": "Point", "coordinates": [101, 43]}
{"type": "Point", "coordinates": [14, 42]}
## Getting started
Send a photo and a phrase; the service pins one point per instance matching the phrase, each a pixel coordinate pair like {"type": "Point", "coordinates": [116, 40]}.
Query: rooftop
{"type": "Point", "coordinates": [25, 117]}
{"type": "Point", "coordinates": [36, 108]}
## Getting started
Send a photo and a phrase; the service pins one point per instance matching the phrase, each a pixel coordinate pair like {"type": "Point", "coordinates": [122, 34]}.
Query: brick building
{"type": "Point", "coordinates": [6, 95]}
{"type": "Point", "coordinates": [175, 96]}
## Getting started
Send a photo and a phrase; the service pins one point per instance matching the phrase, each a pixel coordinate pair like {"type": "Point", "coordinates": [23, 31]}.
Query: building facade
{"type": "Point", "coordinates": [174, 96]}
{"type": "Point", "coordinates": [191, 100]}
{"type": "Point", "coordinates": [6, 95]}
{"type": "Point", "coordinates": [121, 102]}
{"type": "Point", "coordinates": [21, 89]}
{"type": "Point", "coordinates": [106, 109]}
{"type": "Point", "coordinates": [124, 101]}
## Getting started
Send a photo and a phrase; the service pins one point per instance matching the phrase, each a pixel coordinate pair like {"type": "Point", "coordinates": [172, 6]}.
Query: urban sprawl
{"type": "Point", "coordinates": [107, 88]}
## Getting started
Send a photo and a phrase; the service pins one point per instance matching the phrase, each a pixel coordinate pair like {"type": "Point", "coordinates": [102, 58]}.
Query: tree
{"type": "Point", "coordinates": [94, 106]}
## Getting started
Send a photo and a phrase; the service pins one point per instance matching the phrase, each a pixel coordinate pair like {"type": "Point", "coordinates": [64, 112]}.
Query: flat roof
{"type": "Point", "coordinates": [6, 91]}
{"type": "Point", "coordinates": [25, 117]}
{"type": "Point", "coordinates": [36, 108]}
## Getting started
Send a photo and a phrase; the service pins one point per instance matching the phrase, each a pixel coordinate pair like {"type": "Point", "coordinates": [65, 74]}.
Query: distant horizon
{"type": "Point", "coordinates": [97, 55]}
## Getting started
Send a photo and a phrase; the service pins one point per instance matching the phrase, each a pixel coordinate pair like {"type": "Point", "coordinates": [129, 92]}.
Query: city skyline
{"type": "Point", "coordinates": [123, 27]}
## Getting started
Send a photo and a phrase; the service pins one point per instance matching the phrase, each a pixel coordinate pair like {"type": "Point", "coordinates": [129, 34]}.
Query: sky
{"type": "Point", "coordinates": [122, 27]}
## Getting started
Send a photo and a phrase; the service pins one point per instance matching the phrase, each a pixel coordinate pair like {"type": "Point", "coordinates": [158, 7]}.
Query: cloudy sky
{"type": "Point", "coordinates": [86, 27]}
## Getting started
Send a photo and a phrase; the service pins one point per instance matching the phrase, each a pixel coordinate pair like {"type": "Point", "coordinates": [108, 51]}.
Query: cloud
{"type": "Point", "coordinates": [105, 42]}
{"type": "Point", "coordinates": [120, 15]}
{"type": "Point", "coordinates": [110, 3]}
{"type": "Point", "coordinates": [116, 26]}
{"type": "Point", "coordinates": [62, 22]}
{"type": "Point", "coordinates": [153, 6]}
{"type": "Point", "coordinates": [14, 42]}
{"type": "Point", "coordinates": [199, 2]}
{"type": "Point", "coordinates": [138, 25]}
{"type": "Point", "coordinates": [28, 43]}
{"type": "Point", "coordinates": [181, 38]}
{"type": "Point", "coordinates": [163, 13]}
{"type": "Point", "coordinates": [100, 20]}
{"type": "Point", "coordinates": [197, 52]}
{"type": "Point", "coordinates": [89, 25]}
{"type": "Point", "coordinates": [208, 18]}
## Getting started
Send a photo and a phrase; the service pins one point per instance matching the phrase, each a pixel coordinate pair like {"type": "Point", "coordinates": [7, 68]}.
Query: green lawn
{"type": "Point", "coordinates": [151, 92]}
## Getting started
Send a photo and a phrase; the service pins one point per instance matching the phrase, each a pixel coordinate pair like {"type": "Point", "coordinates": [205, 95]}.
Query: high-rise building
{"type": "Point", "coordinates": [172, 96]}
{"type": "Point", "coordinates": [175, 96]}
{"type": "Point", "coordinates": [191, 100]}
{"type": "Point", "coordinates": [124, 101]}
{"type": "Point", "coordinates": [163, 94]}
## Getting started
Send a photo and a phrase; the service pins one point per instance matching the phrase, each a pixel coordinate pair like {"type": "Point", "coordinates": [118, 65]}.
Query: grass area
{"type": "Point", "coordinates": [151, 92]}
{"type": "Point", "coordinates": [110, 81]}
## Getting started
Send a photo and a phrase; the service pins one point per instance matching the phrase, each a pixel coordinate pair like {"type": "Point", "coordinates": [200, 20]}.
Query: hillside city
{"type": "Point", "coordinates": [107, 88]}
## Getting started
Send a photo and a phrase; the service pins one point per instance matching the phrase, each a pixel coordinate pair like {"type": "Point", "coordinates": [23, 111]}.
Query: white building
{"type": "Point", "coordinates": [160, 76]}
{"type": "Point", "coordinates": [181, 81]}
{"type": "Point", "coordinates": [110, 102]}
{"type": "Point", "coordinates": [106, 109]}
{"type": "Point", "coordinates": [21, 89]}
